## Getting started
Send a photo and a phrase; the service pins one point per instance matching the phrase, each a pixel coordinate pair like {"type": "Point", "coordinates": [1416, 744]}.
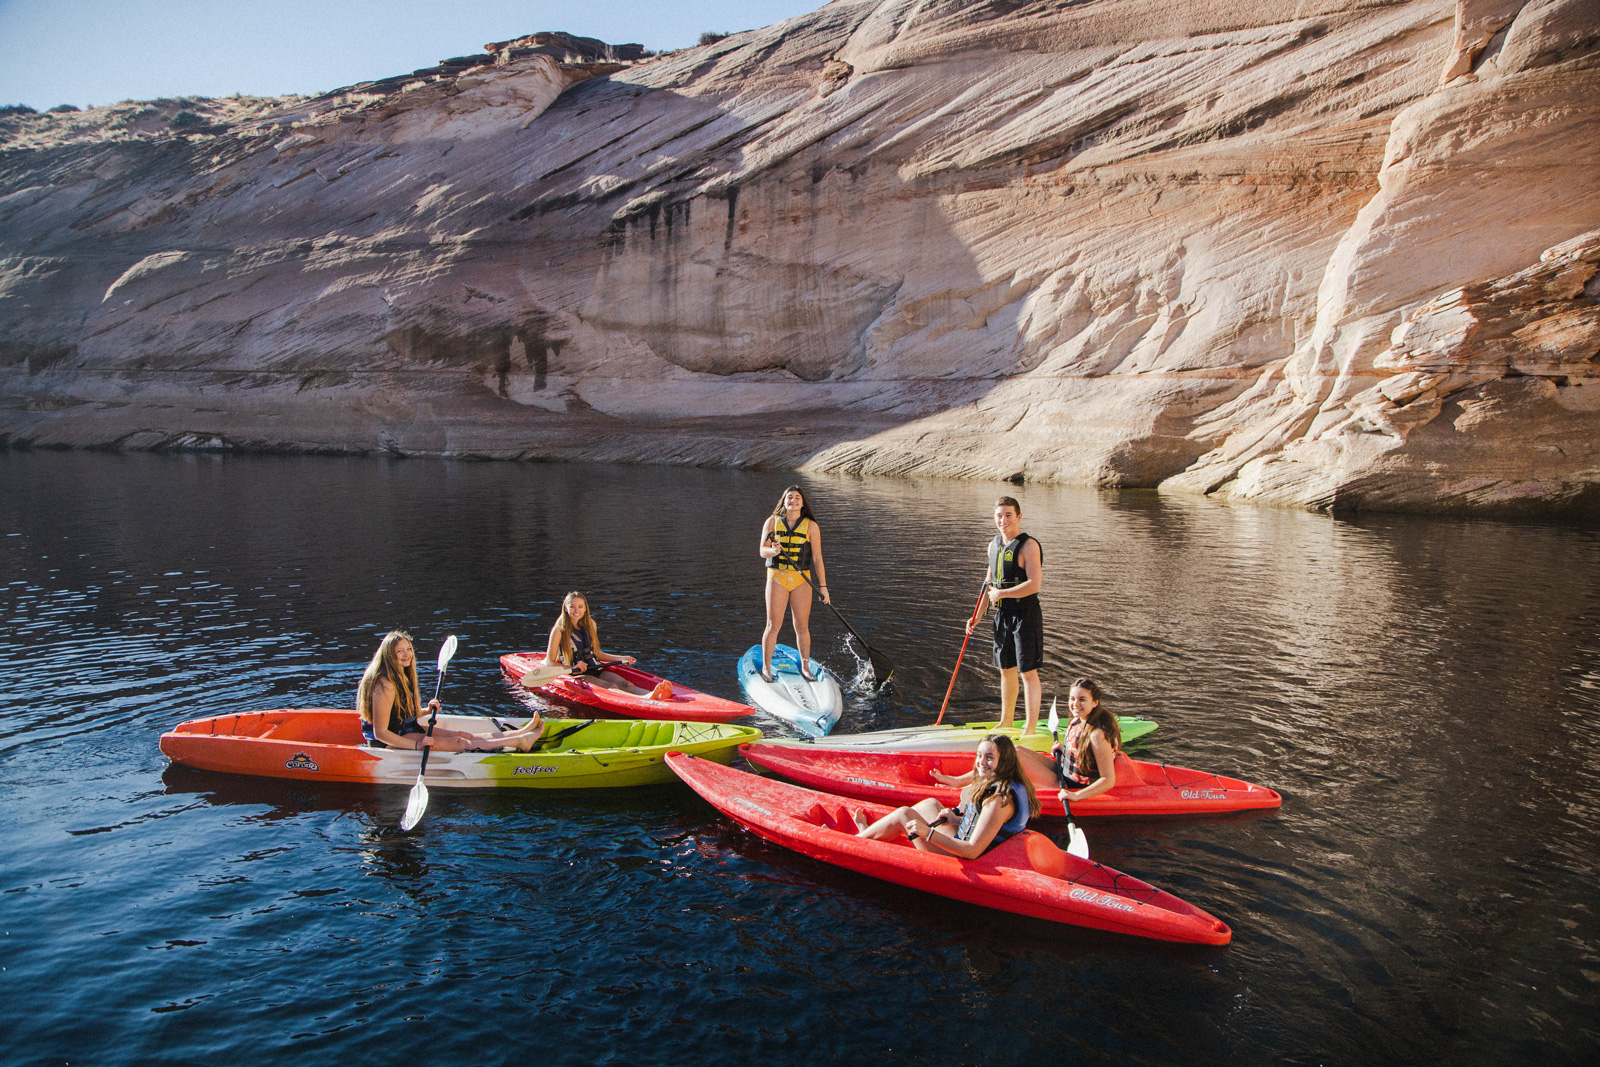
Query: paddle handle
{"type": "Point", "coordinates": [433, 717]}
{"type": "Point", "coordinates": [977, 613]}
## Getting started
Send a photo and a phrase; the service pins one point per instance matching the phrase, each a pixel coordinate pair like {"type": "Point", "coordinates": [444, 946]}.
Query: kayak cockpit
{"type": "Point", "coordinates": [321, 726]}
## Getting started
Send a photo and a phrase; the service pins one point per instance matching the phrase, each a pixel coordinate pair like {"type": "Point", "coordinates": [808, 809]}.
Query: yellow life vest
{"type": "Point", "coordinates": [796, 544]}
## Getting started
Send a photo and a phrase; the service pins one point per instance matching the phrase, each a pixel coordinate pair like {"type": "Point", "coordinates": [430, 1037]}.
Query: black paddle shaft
{"type": "Point", "coordinates": [433, 717]}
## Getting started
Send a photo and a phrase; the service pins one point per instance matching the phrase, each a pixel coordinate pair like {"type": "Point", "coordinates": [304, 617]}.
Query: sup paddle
{"type": "Point", "coordinates": [417, 802]}
{"type": "Point", "coordinates": [972, 623]}
{"type": "Point", "coordinates": [882, 669]}
{"type": "Point", "coordinates": [1077, 843]}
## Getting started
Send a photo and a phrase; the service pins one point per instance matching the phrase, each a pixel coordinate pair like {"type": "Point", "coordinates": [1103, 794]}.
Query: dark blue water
{"type": "Point", "coordinates": [1425, 693]}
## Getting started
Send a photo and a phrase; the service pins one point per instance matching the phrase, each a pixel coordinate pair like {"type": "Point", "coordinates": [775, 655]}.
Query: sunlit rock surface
{"type": "Point", "coordinates": [1343, 260]}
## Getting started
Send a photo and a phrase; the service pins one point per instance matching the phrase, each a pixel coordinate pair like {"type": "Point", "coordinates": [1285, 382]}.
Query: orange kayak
{"type": "Point", "coordinates": [325, 745]}
{"type": "Point", "coordinates": [684, 703]}
{"type": "Point", "coordinates": [905, 777]}
{"type": "Point", "coordinates": [1028, 874]}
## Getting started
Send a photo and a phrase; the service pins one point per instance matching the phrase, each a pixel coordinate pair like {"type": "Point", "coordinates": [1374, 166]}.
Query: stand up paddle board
{"type": "Point", "coordinates": [811, 707]}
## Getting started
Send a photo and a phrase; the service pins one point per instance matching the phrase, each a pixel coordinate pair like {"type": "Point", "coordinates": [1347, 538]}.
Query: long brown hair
{"type": "Point", "coordinates": [805, 505]}
{"type": "Point", "coordinates": [1099, 718]}
{"type": "Point", "coordinates": [564, 627]}
{"type": "Point", "coordinates": [1007, 772]}
{"type": "Point", "coordinates": [385, 665]}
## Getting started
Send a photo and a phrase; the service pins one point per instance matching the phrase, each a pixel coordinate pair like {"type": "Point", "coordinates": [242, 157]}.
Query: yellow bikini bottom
{"type": "Point", "coordinates": [790, 580]}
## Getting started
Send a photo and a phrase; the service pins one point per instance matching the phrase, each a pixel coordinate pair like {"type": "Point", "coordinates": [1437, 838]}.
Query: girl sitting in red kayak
{"type": "Point", "coordinates": [995, 806]}
{"type": "Point", "coordinates": [1088, 753]}
{"type": "Point", "coordinates": [575, 642]}
{"type": "Point", "coordinates": [391, 708]}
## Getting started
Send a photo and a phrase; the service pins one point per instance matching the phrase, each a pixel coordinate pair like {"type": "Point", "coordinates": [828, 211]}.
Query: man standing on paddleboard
{"type": "Point", "coordinates": [1016, 571]}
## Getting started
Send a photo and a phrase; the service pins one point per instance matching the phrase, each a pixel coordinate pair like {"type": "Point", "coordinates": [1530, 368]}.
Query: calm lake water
{"type": "Point", "coordinates": [1425, 693]}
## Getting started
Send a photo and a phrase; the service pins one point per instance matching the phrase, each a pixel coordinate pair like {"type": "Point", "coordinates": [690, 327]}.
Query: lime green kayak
{"type": "Point", "coordinates": [609, 753]}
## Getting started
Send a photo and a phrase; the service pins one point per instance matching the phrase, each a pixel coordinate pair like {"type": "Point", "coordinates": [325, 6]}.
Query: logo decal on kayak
{"type": "Point", "coordinates": [1105, 900]}
{"type": "Point", "coordinates": [753, 806]}
{"type": "Point", "coordinates": [869, 781]}
{"type": "Point", "coordinates": [1203, 794]}
{"type": "Point", "coordinates": [527, 769]}
{"type": "Point", "coordinates": [301, 762]}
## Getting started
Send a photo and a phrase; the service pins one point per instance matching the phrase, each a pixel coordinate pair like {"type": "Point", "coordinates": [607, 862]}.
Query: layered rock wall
{"type": "Point", "coordinates": [1339, 260]}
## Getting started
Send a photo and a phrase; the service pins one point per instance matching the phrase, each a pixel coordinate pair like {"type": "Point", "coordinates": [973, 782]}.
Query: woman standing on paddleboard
{"type": "Point", "coordinates": [791, 544]}
{"type": "Point", "coordinates": [391, 708]}
{"type": "Point", "coordinates": [1088, 753]}
{"type": "Point", "coordinates": [995, 807]}
{"type": "Point", "coordinates": [575, 642]}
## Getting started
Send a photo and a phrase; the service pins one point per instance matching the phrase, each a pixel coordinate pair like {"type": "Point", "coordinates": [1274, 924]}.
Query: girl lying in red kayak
{"type": "Point", "coordinates": [391, 708]}
{"type": "Point", "coordinates": [995, 806]}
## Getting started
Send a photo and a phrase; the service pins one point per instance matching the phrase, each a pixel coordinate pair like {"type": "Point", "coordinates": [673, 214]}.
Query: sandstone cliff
{"type": "Point", "coordinates": [1343, 259]}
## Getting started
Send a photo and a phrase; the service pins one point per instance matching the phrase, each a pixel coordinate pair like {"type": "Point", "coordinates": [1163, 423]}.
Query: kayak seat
{"type": "Point", "coordinates": [1044, 856]}
{"type": "Point", "coordinates": [657, 733]}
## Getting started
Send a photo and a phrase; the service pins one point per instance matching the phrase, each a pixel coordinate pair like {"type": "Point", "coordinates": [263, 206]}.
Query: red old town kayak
{"type": "Point", "coordinates": [904, 778]}
{"type": "Point", "coordinates": [1028, 874]}
{"type": "Point", "coordinates": [684, 703]}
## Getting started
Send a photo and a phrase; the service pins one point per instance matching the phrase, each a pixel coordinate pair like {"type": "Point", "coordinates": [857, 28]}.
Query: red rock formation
{"type": "Point", "coordinates": [1128, 243]}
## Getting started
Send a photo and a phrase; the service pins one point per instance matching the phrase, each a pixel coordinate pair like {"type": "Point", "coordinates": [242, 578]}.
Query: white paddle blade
{"type": "Point", "coordinates": [539, 675]}
{"type": "Point", "coordinates": [447, 651]}
{"type": "Point", "coordinates": [1077, 844]}
{"type": "Point", "coordinates": [416, 805]}
{"type": "Point", "coordinates": [1055, 720]}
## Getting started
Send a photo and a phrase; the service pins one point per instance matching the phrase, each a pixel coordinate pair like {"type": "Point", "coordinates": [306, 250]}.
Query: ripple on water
{"type": "Point", "coordinates": [1424, 694]}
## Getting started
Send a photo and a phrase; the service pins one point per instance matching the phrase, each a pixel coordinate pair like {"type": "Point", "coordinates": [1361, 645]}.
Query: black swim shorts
{"type": "Point", "coordinates": [1019, 636]}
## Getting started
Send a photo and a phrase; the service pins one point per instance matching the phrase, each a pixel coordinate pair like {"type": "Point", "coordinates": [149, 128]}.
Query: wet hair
{"type": "Point", "coordinates": [1007, 771]}
{"type": "Point", "coordinates": [805, 505]}
{"type": "Point", "coordinates": [564, 626]}
{"type": "Point", "coordinates": [1099, 718]}
{"type": "Point", "coordinates": [385, 665]}
{"type": "Point", "coordinates": [1010, 502]}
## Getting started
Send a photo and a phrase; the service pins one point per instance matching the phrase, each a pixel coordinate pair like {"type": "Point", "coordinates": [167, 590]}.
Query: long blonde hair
{"type": "Point", "coordinates": [564, 627]}
{"type": "Point", "coordinates": [385, 665]}
{"type": "Point", "coordinates": [1007, 772]}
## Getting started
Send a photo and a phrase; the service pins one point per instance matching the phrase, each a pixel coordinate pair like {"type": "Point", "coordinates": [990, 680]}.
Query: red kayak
{"type": "Point", "coordinates": [1028, 874]}
{"type": "Point", "coordinates": [904, 778]}
{"type": "Point", "coordinates": [686, 704]}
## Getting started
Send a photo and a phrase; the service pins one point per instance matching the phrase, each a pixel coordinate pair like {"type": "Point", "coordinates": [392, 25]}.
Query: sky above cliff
{"type": "Point", "coordinates": [89, 52]}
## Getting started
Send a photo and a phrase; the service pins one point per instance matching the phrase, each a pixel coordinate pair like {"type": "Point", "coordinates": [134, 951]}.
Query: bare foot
{"type": "Point", "coordinates": [860, 816]}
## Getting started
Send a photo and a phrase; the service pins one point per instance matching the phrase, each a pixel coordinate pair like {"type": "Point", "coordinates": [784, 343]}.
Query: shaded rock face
{"type": "Point", "coordinates": [1345, 260]}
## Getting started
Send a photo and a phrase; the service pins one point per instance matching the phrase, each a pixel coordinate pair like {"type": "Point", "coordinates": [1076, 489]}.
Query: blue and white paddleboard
{"type": "Point", "coordinates": [811, 707]}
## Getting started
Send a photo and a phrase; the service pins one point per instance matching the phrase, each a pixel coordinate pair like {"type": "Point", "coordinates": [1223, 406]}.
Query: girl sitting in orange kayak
{"type": "Point", "coordinates": [391, 708]}
{"type": "Point", "coordinates": [575, 642]}
{"type": "Point", "coordinates": [995, 806]}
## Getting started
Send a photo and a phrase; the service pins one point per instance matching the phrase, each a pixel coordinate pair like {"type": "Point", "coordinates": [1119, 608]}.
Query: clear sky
{"type": "Point", "coordinates": [89, 52]}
